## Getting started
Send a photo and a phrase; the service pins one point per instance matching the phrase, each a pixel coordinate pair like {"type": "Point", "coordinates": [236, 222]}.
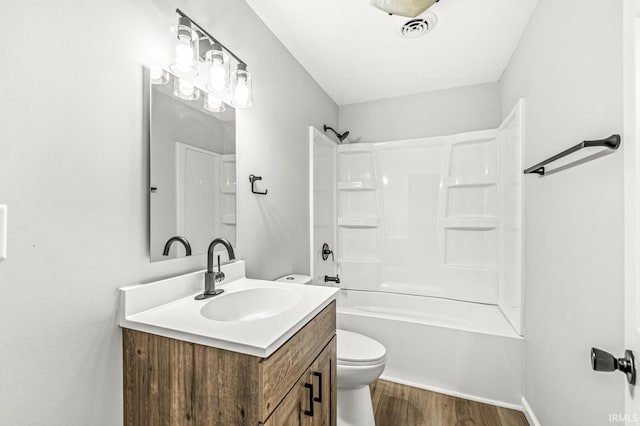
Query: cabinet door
{"type": "Point", "coordinates": [312, 400]}
{"type": "Point", "coordinates": [322, 375]}
{"type": "Point", "coordinates": [291, 411]}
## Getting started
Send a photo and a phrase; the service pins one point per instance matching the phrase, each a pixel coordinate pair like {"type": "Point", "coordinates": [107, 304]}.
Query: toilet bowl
{"type": "Point", "coordinates": [361, 360]}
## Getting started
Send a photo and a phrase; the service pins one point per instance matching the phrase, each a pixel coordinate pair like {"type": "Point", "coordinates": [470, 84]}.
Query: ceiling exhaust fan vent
{"type": "Point", "coordinates": [418, 27]}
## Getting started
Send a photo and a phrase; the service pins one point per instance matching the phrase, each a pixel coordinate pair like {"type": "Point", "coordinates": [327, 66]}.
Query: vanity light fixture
{"type": "Point", "coordinates": [184, 46]}
{"type": "Point", "coordinates": [217, 63]}
{"type": "Point", "coordinates": [241, 87]}
{"type": "Point", "coordinates": [213, 104]}
{"type": "Point", "coordinates": [158, 75]}
{"type": "Point", "coordinates": [184, 89]}
{"type": "Point", "coordinates": [214, 61]}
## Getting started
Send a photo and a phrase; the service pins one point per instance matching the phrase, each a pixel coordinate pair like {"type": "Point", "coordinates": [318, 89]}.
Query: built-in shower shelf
{"type": "Point", "coordinates": [229, 219]}
{"type": "Point", "coordinates": [361, 185]}
{"type": "Point", "coordinates": [360, 261]}
{"type": "Point", "coordinates": [470, 181]}
{"type": "Point", "coordinates": [229, 158]}
{"type": "Point", "coordinates": [472, 268]}
{"type": "Point", "coordinates": [229, 190]}
{"type": "Point", "coordinates": [358, 222]}
{"type": "Point", "coordinates": [471, 223]}
{"type": "Point", "coordinates": [351, 150]}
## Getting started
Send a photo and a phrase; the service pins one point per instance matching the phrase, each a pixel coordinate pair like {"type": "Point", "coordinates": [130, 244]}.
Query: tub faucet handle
{"type": "Point", "coordinates": [326, 251]}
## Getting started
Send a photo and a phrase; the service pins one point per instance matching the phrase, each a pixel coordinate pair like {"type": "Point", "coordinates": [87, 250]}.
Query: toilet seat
{"type": "Point", "coordinates": [358, 350]}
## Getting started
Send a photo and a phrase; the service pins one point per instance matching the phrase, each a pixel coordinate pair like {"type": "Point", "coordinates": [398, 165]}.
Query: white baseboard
{"type": "Point", "coordinates": [456, 394]}
{"type": "Point", "coordinates": [528, 413]}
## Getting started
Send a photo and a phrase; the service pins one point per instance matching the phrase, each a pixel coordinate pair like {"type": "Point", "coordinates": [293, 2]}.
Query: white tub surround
{"type": "Point", "coordinates": [168, 308]}
{"type": "Point", "coordinates": [437, 216]}
{"type": "Point", "coordinates": [427, 239]}
{"type": "Point", "coordinates": [469, 350]}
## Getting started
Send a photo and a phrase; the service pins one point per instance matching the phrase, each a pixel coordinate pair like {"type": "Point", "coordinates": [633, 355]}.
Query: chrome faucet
{"type": "Point", "coordinates": [177, 239]}
{"type": "Point", "coordinates": [212, 278]}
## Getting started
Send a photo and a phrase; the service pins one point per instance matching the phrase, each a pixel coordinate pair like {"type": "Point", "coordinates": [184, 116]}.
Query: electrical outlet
{"type": "Point", "coordinates": [3, 232]}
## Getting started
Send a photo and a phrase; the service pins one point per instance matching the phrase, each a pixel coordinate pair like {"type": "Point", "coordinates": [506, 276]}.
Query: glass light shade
{"type": "Point", "coordinates": [217, 66]}
{"type": "Point", "coordinates": [408, 8]}
{"type": "Point", "coordinates": [184, 49]}
{"type": "Point", "coordinates": [213, 103]}
{"type": "Point", "coordinates": [241, 87]}
{"type": "Point", "coordinates": [184, 89]}
{"type": "Point", "coordinates": [158, 75]}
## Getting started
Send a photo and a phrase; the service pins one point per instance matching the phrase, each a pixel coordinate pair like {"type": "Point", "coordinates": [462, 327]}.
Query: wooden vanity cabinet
{"type": "Point", "coordinates": [312, 400]}
{"type": "Point", "coordinates": [323, 377]}
{"type": "Point", "coordinates": [172, 382]}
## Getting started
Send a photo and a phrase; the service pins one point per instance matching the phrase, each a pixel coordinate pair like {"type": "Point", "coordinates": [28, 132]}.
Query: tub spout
{"type": "Point", "coordinates": [335, 279]}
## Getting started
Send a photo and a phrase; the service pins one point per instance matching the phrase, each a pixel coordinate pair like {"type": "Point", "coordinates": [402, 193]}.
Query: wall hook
{"type": "Point", "coordinates": [253, 179]}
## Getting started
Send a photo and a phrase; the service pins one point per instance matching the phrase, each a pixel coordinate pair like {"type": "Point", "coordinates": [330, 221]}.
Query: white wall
{"type": "Point", "coordinates": [73, 170]}
{"type": "Point", "coordinates": [569, 67]}
{"type": "Point", "coordinates": [443, 112]}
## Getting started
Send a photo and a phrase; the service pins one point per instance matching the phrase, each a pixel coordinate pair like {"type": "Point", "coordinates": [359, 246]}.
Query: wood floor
{"type": "Point", "coordinates": [399, 405]}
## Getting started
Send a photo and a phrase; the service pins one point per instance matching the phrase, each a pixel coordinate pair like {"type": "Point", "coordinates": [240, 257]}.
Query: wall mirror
{"type": "Point", "coordinates": [192, 167]}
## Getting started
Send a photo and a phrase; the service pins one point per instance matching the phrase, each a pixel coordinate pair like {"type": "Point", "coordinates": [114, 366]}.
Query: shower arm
{"type": "Point", "coordinates": [341, 136]}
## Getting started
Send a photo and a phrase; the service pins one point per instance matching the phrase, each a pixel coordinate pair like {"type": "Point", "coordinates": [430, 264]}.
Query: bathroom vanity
{"type": "Point", "coordinates": [270, 363]}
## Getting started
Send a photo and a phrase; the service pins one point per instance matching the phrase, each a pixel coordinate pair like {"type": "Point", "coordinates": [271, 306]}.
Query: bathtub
{"type": "Point", "coordinates": [457, 348]}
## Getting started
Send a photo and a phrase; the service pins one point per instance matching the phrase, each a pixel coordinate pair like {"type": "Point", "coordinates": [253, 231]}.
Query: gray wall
{"type": "Point", "coordinates": [571, 75]}
{"type": "Point", "coordinates": [73, 167]}
{"type": "Point", "coordinates": [438, 113]}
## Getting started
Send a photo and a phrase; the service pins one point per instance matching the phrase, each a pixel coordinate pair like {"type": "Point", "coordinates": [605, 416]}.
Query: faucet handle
{"type": "Point", "coordinates": [218, 276]}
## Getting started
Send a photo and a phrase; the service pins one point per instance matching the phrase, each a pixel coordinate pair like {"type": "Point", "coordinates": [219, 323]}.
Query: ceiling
{"type": "Point", "coordinates": [354, 52]}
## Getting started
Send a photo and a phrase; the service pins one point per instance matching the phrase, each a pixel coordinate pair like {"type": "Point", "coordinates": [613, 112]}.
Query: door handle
{"type": "Point", "coordinates": [604, 361]}
{"type": "Point", "coordinates": [309, 412]}
{"type": "Point", "coordinates": [319, 397]}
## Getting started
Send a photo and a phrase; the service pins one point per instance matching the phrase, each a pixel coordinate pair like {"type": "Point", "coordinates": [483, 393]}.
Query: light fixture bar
{"type": "Point", "coordinates": [212, 38]}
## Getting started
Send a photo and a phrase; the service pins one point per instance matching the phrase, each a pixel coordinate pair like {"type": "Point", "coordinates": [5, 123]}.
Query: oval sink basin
{"type": "Point", "coordinates": [250, 305]}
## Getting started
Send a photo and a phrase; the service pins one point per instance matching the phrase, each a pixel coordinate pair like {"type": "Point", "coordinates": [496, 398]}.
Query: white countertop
{"type": "Point", "coordinates": [168, 308]}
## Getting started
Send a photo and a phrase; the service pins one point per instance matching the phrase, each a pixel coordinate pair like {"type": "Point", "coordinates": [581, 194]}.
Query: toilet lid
{"type": "Point", "coordinates": [354, 348]}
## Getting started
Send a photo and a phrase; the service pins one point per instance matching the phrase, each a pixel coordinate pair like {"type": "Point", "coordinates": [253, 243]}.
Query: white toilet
{"type": "Point", "coordinates": [361, 360]}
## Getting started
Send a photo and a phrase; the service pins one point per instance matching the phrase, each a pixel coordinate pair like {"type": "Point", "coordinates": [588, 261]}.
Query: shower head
{"type": "Point", "coordinates": [340, 136]}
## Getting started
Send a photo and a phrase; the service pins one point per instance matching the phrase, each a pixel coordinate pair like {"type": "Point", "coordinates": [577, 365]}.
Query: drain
{"type": "Point", "coordinates": [418, 27]}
